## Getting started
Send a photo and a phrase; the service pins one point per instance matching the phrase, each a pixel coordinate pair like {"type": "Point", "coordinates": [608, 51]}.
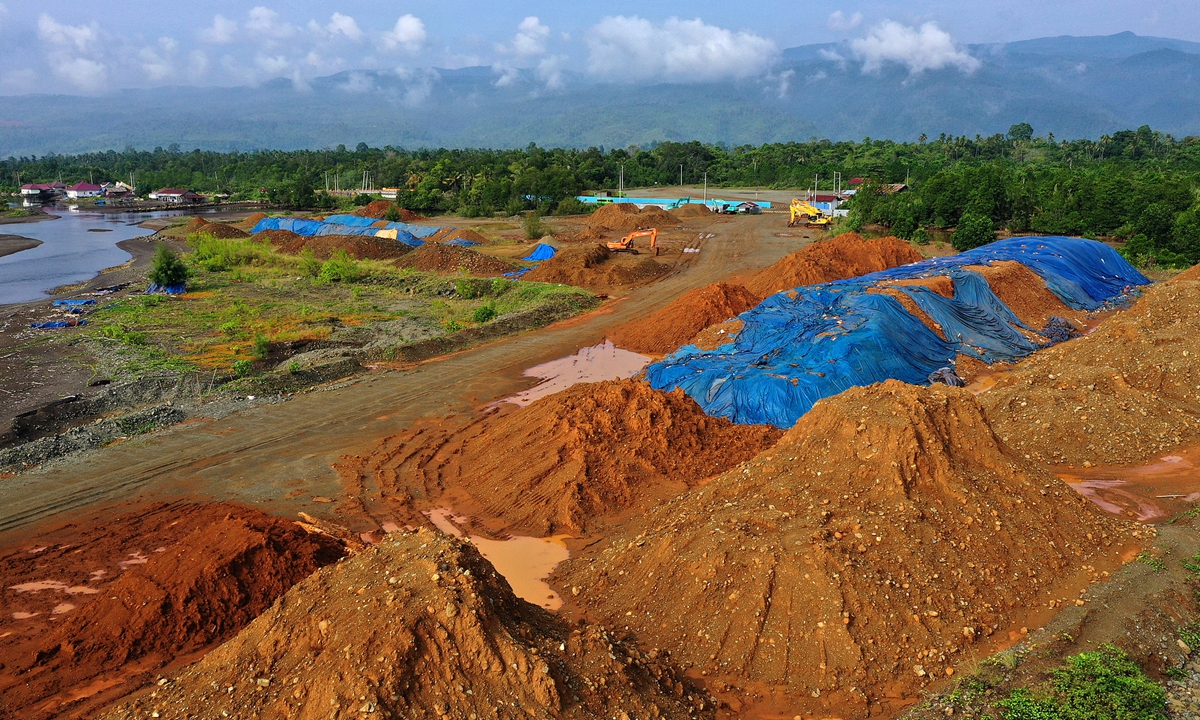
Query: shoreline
{"type": "Point", "coordinates": [42, 216]}
{"type": "Point", "coordinates": [12, 244]}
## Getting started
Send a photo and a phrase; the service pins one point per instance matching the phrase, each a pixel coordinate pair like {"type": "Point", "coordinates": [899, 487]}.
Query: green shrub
{"type": "Point", "coordinates": [262, 347]}
{"type": "Point", "coordinates": [167, 268]}
{"type": "Point", "coordinates": [129, 337]}
{"type": "Point", "coordinates": [310, 266]}
{"type": "Point", "coordinates": [471, 288]}
{"type": "Point", "coordinates": [484, 313]}
{"type": "Point", "coordinates": [293, 367]}
{"type": "Point", "coordinates": [242, 368]}
{"type": "Point", "coordinates": [231, 328]}
{"type": "Point", "coordinates": [340, 268]}
{"type": "Point", "coordinates": [573, 206]}
{"type": "Point", "coordinates": [535, 229]}
{"type": "Point", "coordinates": [392, 214]}
{"type": "Point", "coordinates": [1102, 685]}
{"type": "Point", "coordinates": [973, 231]}
{"type": "Point", "coordinates": [920, 236]}
{"type": "Point", "coordinates": [218, 254]}
{"type": "Point", "coordinates": [363, 199]}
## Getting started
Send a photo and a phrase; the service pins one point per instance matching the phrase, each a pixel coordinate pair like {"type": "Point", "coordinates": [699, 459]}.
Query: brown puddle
{"type": "Point", "coordinates": [525, 562]}
{"type": "Point", "coordinates": [591, 364]}
{"type": "Point", "coordinates": [1147, 493]}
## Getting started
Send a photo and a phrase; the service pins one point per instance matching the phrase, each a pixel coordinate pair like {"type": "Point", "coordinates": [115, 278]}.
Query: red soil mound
{"type": "Point", "coordinates": [862, 556]}
{"type": "Point", "coordinates": [1025, 293]}
{"type": "Point", "coordinates": [137, 593]}
{"type": "Point", "coordinates": [691, 210]}
{"type": "Point", "coordinates": [249, 223]}
{"type": "Point", "coordinates": [448, 234]}
{"type": "Point", "coordinates": [421, 627]}
{"type": "Point", "coordinates": [324, 246]}
{"type": "Point", "coordinates": [673, 326]}
{"type": "Point", "coordinates": [378, 208]}
{"type": "Point", "coordinates": [845, 256]}
{"type": "Point", "coordinates": [626, 217]}
{"type": "Point", "coordinates": [437, 258]}
{"type": "Point", "coordinates": [595, 267]}
{"type": "Point", "coordinates": [567, 460]}
{"type": "Point", "coordinates": [717, 335]}
{"type": "Point", "coordinates": [1124, 393]}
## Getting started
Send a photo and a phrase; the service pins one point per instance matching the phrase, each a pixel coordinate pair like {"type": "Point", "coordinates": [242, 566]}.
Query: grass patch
{"type": "Point", "coordinates": [1101, 685]}
{"type": "Point", "coordinates": [244, 297]}
{"type": "Point", "coordinates": [1155, 563]}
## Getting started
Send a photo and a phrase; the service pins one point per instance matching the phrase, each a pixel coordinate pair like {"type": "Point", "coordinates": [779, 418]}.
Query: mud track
{"type": "Point", "coordinates": [279, 457]}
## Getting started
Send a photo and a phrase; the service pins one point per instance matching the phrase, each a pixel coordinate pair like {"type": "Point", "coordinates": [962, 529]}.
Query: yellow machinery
{"type": "Point", "coordinates": [625, 244]}
{"type": "Point", "coordinates": [808, 215]}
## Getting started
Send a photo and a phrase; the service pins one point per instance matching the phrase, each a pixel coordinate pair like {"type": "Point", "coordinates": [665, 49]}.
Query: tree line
{"type": "Point", "coordinates": [1136, 185]}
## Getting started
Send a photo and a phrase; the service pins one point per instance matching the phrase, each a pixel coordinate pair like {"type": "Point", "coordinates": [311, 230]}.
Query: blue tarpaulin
{"type": "Point", "coordinates": [541, 252]}
{"type": "Point", "coordinates": [792, 352]}
{"type": "Point", "coordinates": [314, 228]}
{"type": "Point", "coordinates": [69, 303]}
{"type": "Point", "coordinates": [56, 324]}
{"type": "Point", "coordinates": [462, 242]}
{"type": "Point", "coordinates": [168, 289]}
{"type": "Point", "coordinates": [417, 231]}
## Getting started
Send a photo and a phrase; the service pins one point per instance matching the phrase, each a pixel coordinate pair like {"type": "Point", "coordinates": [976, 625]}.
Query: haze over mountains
{"type": "Point", "coordinates": [1071, 86]}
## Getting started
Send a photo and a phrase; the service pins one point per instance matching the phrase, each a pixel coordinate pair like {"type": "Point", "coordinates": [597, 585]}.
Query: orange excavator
{"type": "Point", "coordinates": [625, 244]}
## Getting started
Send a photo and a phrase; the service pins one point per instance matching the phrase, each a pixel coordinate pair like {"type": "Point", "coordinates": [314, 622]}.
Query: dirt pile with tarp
{"type": "Point", "coordinates": [361, 247]}
{"type": "Point", "coordinates": [626, 217]}
{"type": "Point", "coordinates": [440, 258]}
{"type": "Point", "coordinates": [565, 462]}
{"type": "Point", "coordinates": [377, 209]}
{"type": "Point", "coordinates": [815, 341]}
{"type": "Point", "coordinates": [461, 235]}
{"type": "Point", "coordinates": [888, 536]}
{"type": "Point", "coordinates": [593, 266]}
{"type": "Point", "coordinates": [250, 221]}
{"type": "Point", "coordinates": [1124, 393]}
{"type": "Point", "coordinates": [674, 325]}
{"type": "Point", "coordinates": [846, 256]}
{"type": "Point", "coordinates": [92, 618]}
{"type": "Point", "coordinates": [420, 627]}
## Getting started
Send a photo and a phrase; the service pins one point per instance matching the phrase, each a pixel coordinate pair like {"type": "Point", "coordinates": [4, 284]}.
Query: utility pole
{"type": "Point", "coordinates": [680, 175]}
{"type": "Point", "coordinates": [706, 187]}
{"type": "Point", "coordinates": [621, 182]}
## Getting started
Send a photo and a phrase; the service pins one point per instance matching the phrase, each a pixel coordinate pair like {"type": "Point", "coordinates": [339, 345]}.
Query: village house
{"type": "Point", "coordinates": [176, 196]}
{"type": "Point", "coordinates": [84, 190]}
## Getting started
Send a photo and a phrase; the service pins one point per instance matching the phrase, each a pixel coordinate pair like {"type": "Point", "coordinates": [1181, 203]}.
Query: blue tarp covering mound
{"type": "Point", "coordinates": [792, 352]}
{"type": "Point", "coordinates": [314, 228]}
{"type": "Point", "coordinates": [462, 242]}
{"type": "Point", "coordinates": [541, 252]}
{"type": "Point", "coordinates": [417, 231]}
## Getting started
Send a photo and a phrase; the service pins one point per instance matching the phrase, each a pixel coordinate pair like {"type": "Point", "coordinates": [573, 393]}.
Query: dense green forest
{"type": "Point", "coordinates": [1136, 185]}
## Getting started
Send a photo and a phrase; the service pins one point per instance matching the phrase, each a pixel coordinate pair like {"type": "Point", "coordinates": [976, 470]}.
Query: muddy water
{"type": "Point", "coordinates": [591, 364]}
{"type": "Point", "coordinates": [525, 562]}
{"type": "Point", "coordinates": [1148, 493]}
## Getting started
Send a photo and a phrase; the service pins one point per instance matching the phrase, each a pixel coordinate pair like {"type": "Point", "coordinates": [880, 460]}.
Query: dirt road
{"type": "Point", "coordinates": [278, 457]}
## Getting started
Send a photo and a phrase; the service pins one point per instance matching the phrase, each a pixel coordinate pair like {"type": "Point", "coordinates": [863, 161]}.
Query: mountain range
{"type": "Point", "coordinates": [1074, 87]}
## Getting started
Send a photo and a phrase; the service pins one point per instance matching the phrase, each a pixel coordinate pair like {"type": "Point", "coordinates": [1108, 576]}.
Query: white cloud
{"type": "Point", "coordinates": [832, 56]}
{"type": "Point", "coordinates": [158, 62]}
{"type": "Point", "coordinates": [198, 64]}
{"type": "Point", "coordinates": [409, 34]}
{"type": "Point", "coordinates": [80, 38]}
{"type": "Point", "coordinates": [530, 40]}
{"type": "Point", "coordinates": [838, 22]}
{"type": "Point", "coordinates": [785, 83]}
{"type": "Point", "coordinates": [222, 31]}
{"type": "Point", "coordinates": [926, 48]}
{"type": "Point", "coordinates": [87, 75]}
{"type": "Point", "coordinates": [629, 49]}
{"type": "Point", "coordinates": [550, 71]}
{"type": "Point", "coordinates": [345, 25]}
{"type": "Point", "coordinates": [419, 85]}
{"type": "Point", "coordinates": [266, 23]}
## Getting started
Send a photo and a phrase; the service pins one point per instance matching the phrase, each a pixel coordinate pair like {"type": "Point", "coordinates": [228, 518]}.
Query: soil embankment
{"type": "Point", "coordinates": [594, 267]}
{"type": "Point", "coordinates": [10, 244]}
{"type": "Point", "coordinates": [845, 256]}
{"type": "Point", "coordinates": [566, 462]}
{"type": "Point", "coordinates": [90, 614]}
{"type": "Point", "coordinates": [626, 217]}
{"type": "Point", "coordinates": [1121, 394]}
{"type": "Point", "coordinates": [446, 259]}
{"type": "Point", "coordinates": [674, 325]}
{"type": "Point", "coordinates": [324, 247]}
{"type": "Point", "coordinates": [420, 627]}
{"type": "Point", "coordinates": [884, 538]}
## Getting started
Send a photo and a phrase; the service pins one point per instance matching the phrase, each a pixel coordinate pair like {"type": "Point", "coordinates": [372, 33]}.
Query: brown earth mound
{"type": "Point", "coordinates": [566, 460]}
{"type": "Point", "coordinates": [421, 627]}
{"type": "Point", "coordinates": [717, 335]}
{"type": "Point", "coordinates": [223, 231]}
{"type": "Point", "coordinates": [448, 234]}
{"type": "Point", "coordinates": [883, 537]}
{"type": "Point", "coordinates": [593, 266]}
{"type": "Point", "coordinates": [1025, 293]}
{"type": "Point", "coordinates": [136, 594]}
{"type": "Point", "coordinates": [250, 222]}
{"type": "Point", "coordinates": [362, 247]}
{"type": "Point", "coordinates": [626, 217]}
{"type": "Point", "coordinates": [1125, 393]}
{"type": "Point", "coordinates": [437, 258]}
{"type": "Point", "coordinates": [691, 210]}
{"type": "Point", "coordinates": [845, 256]}
{"type": "Point", "coordinates": [378, 208]}
{"type": "Point", "coordinates": [673, 326]}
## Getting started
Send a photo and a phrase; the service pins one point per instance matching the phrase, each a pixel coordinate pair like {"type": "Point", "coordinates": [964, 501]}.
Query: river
{"type": "Point", "coordinates": [74, 248]}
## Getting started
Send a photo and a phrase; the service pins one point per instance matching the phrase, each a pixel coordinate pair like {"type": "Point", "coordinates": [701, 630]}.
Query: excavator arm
{"type": "Point", "coordinates": [808, 215]}
{"type": "Point", "coordinates": [625, 244]}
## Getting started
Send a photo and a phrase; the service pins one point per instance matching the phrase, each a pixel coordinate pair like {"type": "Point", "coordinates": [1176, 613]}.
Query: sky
{"type": "Point", "coordinates": [97, 47]}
